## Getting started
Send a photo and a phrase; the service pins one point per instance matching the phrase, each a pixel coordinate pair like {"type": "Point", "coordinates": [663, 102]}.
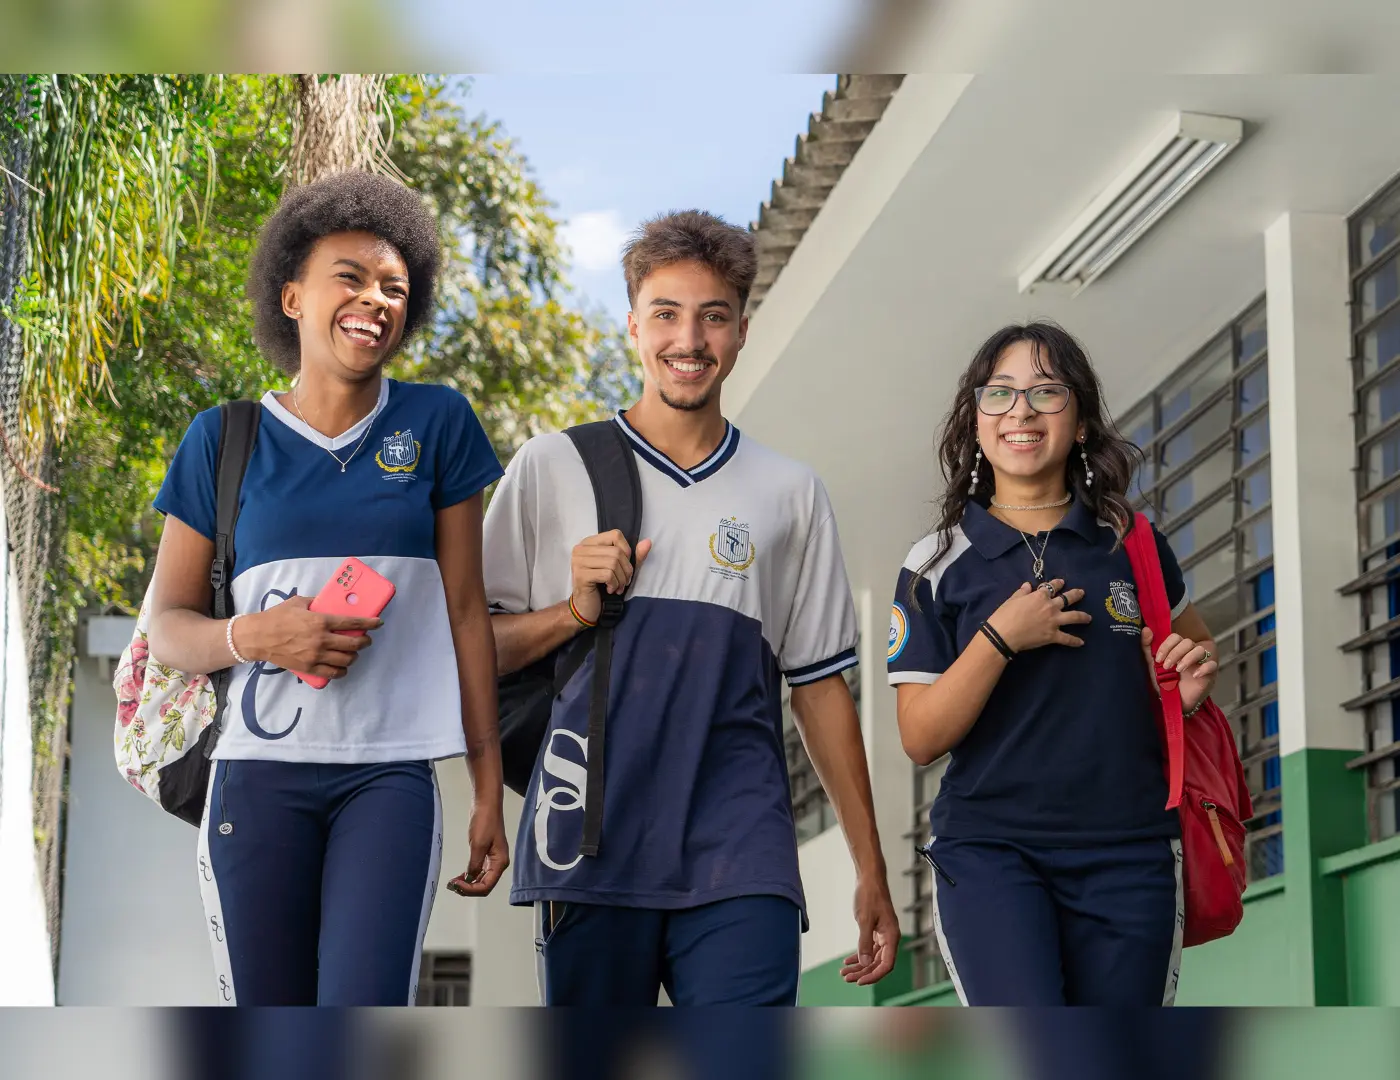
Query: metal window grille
{"type": "Point", "coordinates": [923, 949]}
{"type": "Point", "coordinates": [1204, 433]}
{"type": "Point", "coordinates": [445, 978]}
{"type": "Point", "coordinates": [811, 808]}
{"type": "Point", "coordinates": [1375, 305]}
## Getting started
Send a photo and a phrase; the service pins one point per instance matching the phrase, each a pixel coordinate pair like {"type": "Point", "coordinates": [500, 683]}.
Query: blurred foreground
{"type": "Point", "coordinates": [697, 1045]}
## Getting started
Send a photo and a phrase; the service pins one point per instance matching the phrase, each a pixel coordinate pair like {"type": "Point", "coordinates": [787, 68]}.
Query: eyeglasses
{"type": "Point", "coordinates": [999, 400]}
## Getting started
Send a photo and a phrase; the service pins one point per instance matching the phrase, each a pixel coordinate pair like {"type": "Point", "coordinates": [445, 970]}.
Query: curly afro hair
{"type": "Point", "coordinates": [345, 202]}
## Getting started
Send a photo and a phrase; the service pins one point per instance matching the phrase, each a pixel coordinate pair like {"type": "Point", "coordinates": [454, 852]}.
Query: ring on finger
{"type": "Point", "coordinates": [1206, 654]}
{"type": "Point", "coordinates": [1047, 587]}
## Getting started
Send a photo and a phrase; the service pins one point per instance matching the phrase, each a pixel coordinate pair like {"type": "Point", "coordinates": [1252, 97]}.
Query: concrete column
{"type": "Point", "coordinates": [1313, 450]}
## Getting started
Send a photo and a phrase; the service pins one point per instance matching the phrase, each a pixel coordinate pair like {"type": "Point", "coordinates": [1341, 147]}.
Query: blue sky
{"type": "Point", "coordinates": [612, 150]}
{"type": "Point", "coordinates": [701, 44]}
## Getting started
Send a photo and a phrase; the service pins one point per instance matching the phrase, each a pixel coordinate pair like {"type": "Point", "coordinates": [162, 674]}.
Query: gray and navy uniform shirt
{"type": "Point", "coordinates": [744, 585]}
{"type": "Point", "coordinates": [1067, 749]}
{"type": "Point", "coordinates": [419, 451]}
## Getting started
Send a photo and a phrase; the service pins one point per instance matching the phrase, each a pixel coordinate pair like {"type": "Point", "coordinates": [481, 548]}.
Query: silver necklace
{"type": "Point", "coordinates": [1042, 506]}
{"type": "Point", "coordinates": [373, 413]}
{"type": "Point", "coordinates": [1037, 561]}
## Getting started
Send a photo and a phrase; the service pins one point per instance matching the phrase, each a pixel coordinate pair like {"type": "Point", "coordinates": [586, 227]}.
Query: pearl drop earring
{"type": "Point", "coordinates": [976, 467]}
{"type": "Point", "coordinates": [1088, 472]}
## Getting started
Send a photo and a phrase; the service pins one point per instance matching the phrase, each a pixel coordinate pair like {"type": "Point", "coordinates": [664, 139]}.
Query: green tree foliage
{"type": "Point", "coordinates": [122, 168]}
{"type": "Point", "coordinates": [197, 351]}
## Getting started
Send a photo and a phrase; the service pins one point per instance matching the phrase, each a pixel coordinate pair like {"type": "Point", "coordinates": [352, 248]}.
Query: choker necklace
{"type": "Point", "coordinates": [1042, 506]}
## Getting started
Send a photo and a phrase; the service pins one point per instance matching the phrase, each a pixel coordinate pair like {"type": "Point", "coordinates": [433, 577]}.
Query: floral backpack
{"type": "Point", "coordinates": [167, 720]}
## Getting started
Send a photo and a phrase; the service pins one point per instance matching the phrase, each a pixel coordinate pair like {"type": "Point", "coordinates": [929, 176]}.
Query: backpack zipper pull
{"type": "Point", "coordinates": [1209, 808]}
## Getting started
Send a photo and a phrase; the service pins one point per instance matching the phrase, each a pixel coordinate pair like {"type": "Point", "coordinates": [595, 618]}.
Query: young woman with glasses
{"type": "Point", "coordinates": [1017, 646]}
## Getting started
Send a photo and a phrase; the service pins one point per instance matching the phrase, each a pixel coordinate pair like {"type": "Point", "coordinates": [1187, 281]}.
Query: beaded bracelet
{"type": "Point", "coordinates": [228, 637]}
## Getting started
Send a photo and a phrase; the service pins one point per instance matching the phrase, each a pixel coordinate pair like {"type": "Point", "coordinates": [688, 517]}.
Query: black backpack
{"type": "Point", "coordinates": [526, 697]}
{"type": "Point", "coordinates": [184, 778]}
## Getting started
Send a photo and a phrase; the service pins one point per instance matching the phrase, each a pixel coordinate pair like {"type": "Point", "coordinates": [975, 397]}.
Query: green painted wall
{"type": "Point", "coordinates": [1324, 814]}
{"type": "Point", "coordinates": [1251, 966]}
{"type": "Point", "coordinates": [823, 985]}
{"type": "Point", "coordinates": [1371, 894]}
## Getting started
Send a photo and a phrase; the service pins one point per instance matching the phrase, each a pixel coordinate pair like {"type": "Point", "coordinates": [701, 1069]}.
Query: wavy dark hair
{"type": "Point", "coordinates": [1113, 458]}
{"type": "Point", "coordinates": [353, 201]}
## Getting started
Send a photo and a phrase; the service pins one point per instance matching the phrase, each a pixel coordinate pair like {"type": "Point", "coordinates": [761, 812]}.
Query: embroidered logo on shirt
{"type": "Point", "coordinates": [399, 455]}
{"type": "Point", "coordinates": [899, 632]}
{"type": "Point", "coordinates": [1122, 605]}
{"type": "Point", "coordinates": [732, 549]}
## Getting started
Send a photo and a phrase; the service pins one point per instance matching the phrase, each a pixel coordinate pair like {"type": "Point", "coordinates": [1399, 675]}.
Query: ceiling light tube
{"type": "Point", "coordinates": [1159, 177]}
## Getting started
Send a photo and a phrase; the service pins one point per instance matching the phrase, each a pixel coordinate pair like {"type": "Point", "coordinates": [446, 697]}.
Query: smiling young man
{"type": "Point", "coordinates": [738, 582]}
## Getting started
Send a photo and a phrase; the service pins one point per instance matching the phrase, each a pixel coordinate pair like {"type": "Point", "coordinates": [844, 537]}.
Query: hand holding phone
{"type": "Point", "coordinates": [355, 591]}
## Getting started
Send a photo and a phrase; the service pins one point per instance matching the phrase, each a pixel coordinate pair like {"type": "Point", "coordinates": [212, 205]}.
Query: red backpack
{"type": "Point", "coordinates": [1205, 778]}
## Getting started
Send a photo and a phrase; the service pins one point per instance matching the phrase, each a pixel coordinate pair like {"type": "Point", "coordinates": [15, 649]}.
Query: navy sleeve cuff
{"type": "Point", "coordinates": [169, 507]}
{"type": "Point", "coordinates": [824, 669]}
{"type": "Point", "coordinates": [464, 491]}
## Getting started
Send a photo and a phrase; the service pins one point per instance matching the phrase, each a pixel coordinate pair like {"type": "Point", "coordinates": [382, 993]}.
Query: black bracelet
{"type": "Point", "coordinates": [996, 639]}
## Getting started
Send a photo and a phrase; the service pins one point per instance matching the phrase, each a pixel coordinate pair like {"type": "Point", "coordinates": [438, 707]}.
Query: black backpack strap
{"type": "Point", "coordinates": [238, 431]}
{"type": "Point", "coordinates": [612, 467]}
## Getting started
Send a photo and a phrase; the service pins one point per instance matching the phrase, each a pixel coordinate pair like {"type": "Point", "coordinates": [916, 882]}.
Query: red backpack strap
{"type": "Point", "coordinates": [1157, 614]}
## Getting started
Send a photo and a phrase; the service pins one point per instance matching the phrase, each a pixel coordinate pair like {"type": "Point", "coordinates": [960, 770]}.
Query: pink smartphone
{"type": "Point", "coordinates": [355, 590]}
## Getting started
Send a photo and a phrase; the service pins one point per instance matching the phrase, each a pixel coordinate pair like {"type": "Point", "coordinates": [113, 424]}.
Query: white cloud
{"type": "Point", "coordinates": [595, 239]}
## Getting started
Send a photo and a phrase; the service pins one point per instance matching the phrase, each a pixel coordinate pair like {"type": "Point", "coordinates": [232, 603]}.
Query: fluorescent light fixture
{"type": "Point", "coordinates": [1168, 167]}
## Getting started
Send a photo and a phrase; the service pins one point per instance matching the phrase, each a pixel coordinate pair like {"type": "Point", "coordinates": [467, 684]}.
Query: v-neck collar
{"type": "Point", "coordinates": [685, 477]}
{"type": "Point", "coordinates": [310, 434]}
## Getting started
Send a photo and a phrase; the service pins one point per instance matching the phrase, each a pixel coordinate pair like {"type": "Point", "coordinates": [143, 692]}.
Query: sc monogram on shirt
{"type": "Point", "coordinates": [568, 795]}
{"type": "Point", "coordinates": [732, 549]}
{"type": "Point", "coordinates": [399, 456]}
{"type": "Point", "coordinates": [1122, 606]}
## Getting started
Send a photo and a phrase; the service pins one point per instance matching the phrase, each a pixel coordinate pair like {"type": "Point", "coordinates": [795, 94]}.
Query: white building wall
{"type": "Point", "coordinates": [133, 926]}
{"type": "Point", "coordinates": [26, 977]}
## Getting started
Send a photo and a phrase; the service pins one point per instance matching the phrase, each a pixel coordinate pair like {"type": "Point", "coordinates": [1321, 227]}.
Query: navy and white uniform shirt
{"type": "Point", "coordinates": [1067, 749]}
{"type": "Point", "coordinates": [420, 450]}
{"type": "Point", "coordinates": [745, 584]}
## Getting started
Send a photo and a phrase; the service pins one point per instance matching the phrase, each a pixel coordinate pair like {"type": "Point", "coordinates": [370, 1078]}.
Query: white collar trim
{"type": "Point", "coordinates": [309, 433]}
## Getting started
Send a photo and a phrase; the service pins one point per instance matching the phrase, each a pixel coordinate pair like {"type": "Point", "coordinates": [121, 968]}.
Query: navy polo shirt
{"type": "Point", "coordinates": [1067, 750]}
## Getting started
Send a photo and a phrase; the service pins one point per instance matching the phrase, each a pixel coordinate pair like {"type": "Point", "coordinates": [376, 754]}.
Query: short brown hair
{"type": "Point", "coordinates": [691, 236]}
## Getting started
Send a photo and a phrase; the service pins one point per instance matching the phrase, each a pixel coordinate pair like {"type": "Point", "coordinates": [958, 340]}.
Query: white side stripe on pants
{"type": "Point", "coordinates": [213, 908]}
{"type": "Point", "coordinates": [434, 869]}
{"type": "Point", "coordinates": [943, 939]}
{"type": "Point", "coordinates": [1178, 930]}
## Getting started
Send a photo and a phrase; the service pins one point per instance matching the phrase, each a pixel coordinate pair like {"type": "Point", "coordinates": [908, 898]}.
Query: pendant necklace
{"type": "Point", "coordinates": [373, 413]}
{"type": "Point", "coordinates": [1037, 561]}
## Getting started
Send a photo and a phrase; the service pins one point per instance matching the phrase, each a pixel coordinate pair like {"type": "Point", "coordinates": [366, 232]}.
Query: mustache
{"type": "Point", "coordinates": [694, 354]}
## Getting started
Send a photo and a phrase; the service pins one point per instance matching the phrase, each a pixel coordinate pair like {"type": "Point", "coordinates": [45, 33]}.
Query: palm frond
{"type": "Point", "coordinates": [116, 163]}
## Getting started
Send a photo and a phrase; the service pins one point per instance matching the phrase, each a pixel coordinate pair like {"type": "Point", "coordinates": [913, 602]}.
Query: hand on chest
{"type": "Point", "coordinates": [1105, 576]}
